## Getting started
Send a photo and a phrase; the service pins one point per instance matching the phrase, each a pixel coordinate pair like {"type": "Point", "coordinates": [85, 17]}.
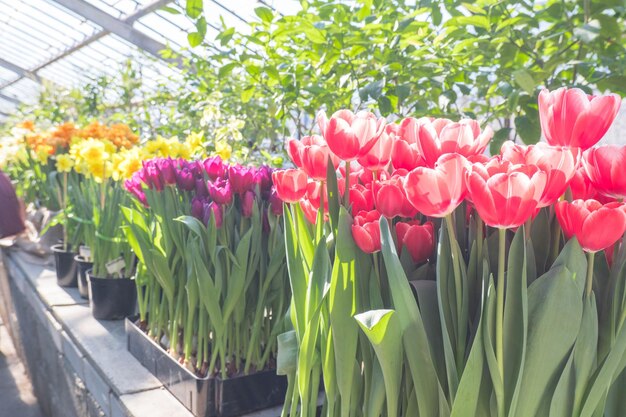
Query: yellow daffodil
{"type": "Point", "coordinates": [64, 163]}
{"type": "Point", "coordinates": [223, 149]}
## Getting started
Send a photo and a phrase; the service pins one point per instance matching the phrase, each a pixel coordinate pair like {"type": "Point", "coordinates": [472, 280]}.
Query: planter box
{"type": "Point", "coordinates": [209, 396]}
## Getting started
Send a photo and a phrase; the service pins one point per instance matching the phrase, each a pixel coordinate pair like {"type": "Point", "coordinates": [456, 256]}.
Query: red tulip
{"type": "Point", "coordinates": [366, 231]}
{"type": "Point", "coordinates": [290, 184]}
{"type": "Point", "coordinates": [596, 226]}
{"type": "Point", "coordinates": [404, 155]}
{"type": "Point", "coordinates": [314, 190]}
{"type": "Point", "coordinates": [418, 239]}
{"type": "Point", "coordinates": [440, 136]}
{"type": "Point", "coordinates": [378, 157]}
{"type": "Point", "coordinates": [391, 199]}
{"type": "Point", "coordinates": [559, 163]}
{"type": "Point", "coordinates": [505, 198]}
{"type": "Point", "coordinates": [313, 155]}
{"type": "Point", "coordinates": [350, 135]}
{"type": "Point", "coordinates": [294, 148]}
{"type": "Point", "coordinates": [310, 212]}
{"type": "Point", "coordinates": [581, 186]}
{"type": "Point", "coordinates": [570, 117]}
{"type": "Point", "coordinates": [361, 198]}
{"type": "Point", "coordinates": [437, 191]}
{"type": "Point", "coordinates": [605, 167]}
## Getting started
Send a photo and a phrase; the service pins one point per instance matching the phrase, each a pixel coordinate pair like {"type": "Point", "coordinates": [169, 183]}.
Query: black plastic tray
{"type": "Point", "coordinates": [209, 396]}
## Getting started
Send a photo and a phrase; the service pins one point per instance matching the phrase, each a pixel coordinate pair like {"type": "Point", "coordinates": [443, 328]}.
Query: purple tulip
{"type": "Point", "coordinates": [134, 187]}
{"type": "Point", "coordinates": [152, 177]}
{"type": "Point", "coordinates": [263, 177]}
{"type": "Point", "coordinates": [212, 209]}
{"type": "Point", "coordinates": [220, 191]}
{"type": "Point", "coordinates": [276, 204]}
{"type": "Point", "coordinates": [214, 167]}
{"type": "Point", "coordinates": [247, 203]}
{"type": "Point", "coordinates": [185, 179]}
{"type": "Point", "coordinates": [201, 189]}
{"type": "Point", "coordinates": [168, 172]}
{"type": "Point", "coordinates": [197, 208]}
{"type": "Point", "coordinates": [197, 168]}
{"type": "Point", "coordinates": [241, 178]}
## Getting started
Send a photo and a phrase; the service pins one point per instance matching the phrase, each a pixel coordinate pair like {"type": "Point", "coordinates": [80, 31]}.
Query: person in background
{"type": "Point", "coordinates": [11, 210]}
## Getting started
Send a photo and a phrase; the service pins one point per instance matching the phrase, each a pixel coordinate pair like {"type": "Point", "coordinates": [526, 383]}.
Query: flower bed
{"type": "Point", "coordinates": [508, 317]}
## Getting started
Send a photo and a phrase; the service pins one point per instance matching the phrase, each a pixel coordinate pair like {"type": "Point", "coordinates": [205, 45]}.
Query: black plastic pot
{"type": "Point", "coordinates": [65, 266]}
{"type": "Point", "coordinates": [112, 298]}
{"type": "Point", "coordinates": [209, 396]}
{"type": "Point", "coordinates": [83, 267]}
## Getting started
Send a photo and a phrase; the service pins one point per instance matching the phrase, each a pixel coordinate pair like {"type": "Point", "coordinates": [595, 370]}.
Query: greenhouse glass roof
{"type": "Point", "coordinates": [72, 42]}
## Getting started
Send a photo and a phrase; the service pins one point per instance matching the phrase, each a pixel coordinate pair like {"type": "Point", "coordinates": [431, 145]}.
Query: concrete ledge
{"type": "Point", "coordinates": [79, 366]}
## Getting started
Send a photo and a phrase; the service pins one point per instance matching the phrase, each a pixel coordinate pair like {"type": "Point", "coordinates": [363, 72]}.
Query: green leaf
{"type": "Point", "coordinates": [265, 14]}
{"type": "Point", "coordinates": [515, 324]}
{"type": "Point", "coordinates": [287, 358]}
{"type": "Point", "coordinates": [430, 398]}
{"type": "Point", "coordinates": [468, 401]}
{"type": "Point", "coordinates": [170, 10]}
{"type": "Point", "coordinates": [525, 80]}
{"type": "Point", "coordinates": [247, 93]}
{"type": "Point", "coordinates": [383, 331]}
{"type": "Point", "coordinates": [554, 315]}
{"type": "Point", "coordinates": [498, 139]}
{"type": "Point", "coordinates": [528, 129]}
{"type": "Point", "coordinates": [194, 8]}
{"type": "Point", "coordinates": [342, 305]}
{"type": "Point", "coordinates": [373, 90]}
{"type": "Point", "coordinates": [194, 39]}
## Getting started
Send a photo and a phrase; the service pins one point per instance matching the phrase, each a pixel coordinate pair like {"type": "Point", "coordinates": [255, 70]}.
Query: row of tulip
{"type": "Point", "coordinates": [507, 317]}
{"type": "Point", "coordinates": [212, 274]}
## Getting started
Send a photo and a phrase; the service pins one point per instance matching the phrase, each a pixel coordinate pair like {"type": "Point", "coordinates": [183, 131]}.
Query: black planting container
{"type": "Point", "coordinates": [112, 298]}
{"type": "Point", "coordinates": [209, 396]}
{"type": "Point", "coordinates": [65, 266]}
{"type": "Point", "coordinates": [83, 267]}
{"type": "Point", "coordinates": [195, 393]}
{"type": "Point", "coordinates": [246, 393]}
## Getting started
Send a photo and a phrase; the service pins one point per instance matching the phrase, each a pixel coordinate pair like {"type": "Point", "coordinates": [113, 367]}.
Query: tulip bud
{"type": "Point", "coordinates": [152, 177]}
{"type": "Point", "coordinates": [418, 239]}
{"type": "Point", "coordinates": [241, 178]}
{"type": "Point", "coordinates": [212, 209]}
{"type": "Point", "coordinates": [214, 167]}
{"type": "Point", "coordinates": [366, 231]}
{"type": "Point", "coordinates": [247, 203]}
{"type": "Point", "coordinates": [220, 191]}
{"type": "Point", "coordinates": [276, 204]}
{"type": "Point", "coordinates": [263, 177]}
{"type": "Point", "coordinates": [185, 179]}
{"type": "Point", "coordinates": [197, 208]}
{"type": "Point", "coordinates": [201, 188]}
{"type": "Point", "coordinates": [167, 171]}
{"type": "Point", "coordinates": [290, 184]}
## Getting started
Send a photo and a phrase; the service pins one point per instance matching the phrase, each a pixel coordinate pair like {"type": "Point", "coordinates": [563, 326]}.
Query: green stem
{"type": "Point", "coordinates": [458, 284]}
{"type": "Point", "coordinates": [590, 261]}
{"type": "Point", "coordinates": [346, 191]}
{"type": "Point", "coordinates": [500, 307]}
{"type": "Point", "coordinates": [556, 239]}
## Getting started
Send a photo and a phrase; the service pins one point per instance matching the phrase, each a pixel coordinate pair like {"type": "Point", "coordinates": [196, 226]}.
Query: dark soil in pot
{"type": "Point", "coordinates": [65, 266]}
{"type": "Point", "coordinates": [83, 267]}
{"type": "Point", "coordinates": [112, 298]}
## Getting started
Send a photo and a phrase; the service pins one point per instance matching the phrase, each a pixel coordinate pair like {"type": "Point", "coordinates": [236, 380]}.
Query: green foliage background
{"type": "Point", "coordinates": [483, 59]}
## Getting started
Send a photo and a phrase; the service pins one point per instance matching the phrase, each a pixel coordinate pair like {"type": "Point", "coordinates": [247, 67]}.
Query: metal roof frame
{"type": "Point", "coordinates": [92, 23]}
{"type": "Point", "coordinates": [127, 22]}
